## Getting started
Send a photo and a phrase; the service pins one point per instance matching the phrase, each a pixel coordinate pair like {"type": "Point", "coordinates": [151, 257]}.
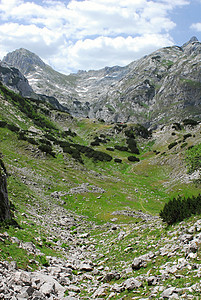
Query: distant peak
{"type": "Point", "coordinates": [24, 60]}
{"type": "Point", "coordinates": [193, 39]}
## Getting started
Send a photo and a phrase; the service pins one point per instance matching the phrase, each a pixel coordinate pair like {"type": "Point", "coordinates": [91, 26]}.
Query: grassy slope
{"type": "Point", "coordinates": [137, 186]}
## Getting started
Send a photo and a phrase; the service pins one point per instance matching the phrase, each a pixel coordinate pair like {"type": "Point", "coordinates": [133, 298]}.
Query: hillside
{"type": "Point", "coordinates": [86, 214]}
{"type": "Point", "coordinates": [159, 87]}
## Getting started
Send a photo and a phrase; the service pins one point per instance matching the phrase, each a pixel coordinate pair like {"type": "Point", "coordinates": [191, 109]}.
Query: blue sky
{"type": "Point", "coordinates": [91, 34]}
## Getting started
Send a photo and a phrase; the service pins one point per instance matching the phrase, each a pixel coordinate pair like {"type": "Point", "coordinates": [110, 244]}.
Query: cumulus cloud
{"type": "Point", "coordinates": [107, 51]}
{"type": "Point", "coordinates": [86, 34]}
{"type": "Point", "coordinates": [196, 26]}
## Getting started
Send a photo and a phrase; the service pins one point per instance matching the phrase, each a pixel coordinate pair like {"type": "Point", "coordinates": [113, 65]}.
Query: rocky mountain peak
{"type": "Point", "coordinates": [145, 91]}
{"type": "Point", "coordinates": [193, 39]}
{"type": "Point", "coordinates": [24, 60]}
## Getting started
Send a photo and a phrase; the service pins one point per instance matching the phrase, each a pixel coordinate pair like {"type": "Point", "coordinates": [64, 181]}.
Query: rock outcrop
{"type": "Point", "coordinates": [4, 202]}
{"type": "Point", "coordinates": [14, 80]}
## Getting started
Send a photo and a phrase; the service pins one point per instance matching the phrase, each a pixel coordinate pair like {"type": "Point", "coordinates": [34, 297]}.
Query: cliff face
{"type": "Point", "coordinates": [4, 202]}
{"type": "Point", "coordinates": [15, 80]}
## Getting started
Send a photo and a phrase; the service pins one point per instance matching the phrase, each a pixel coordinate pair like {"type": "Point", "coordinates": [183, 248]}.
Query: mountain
{"type": "Point", "coordinates": [15, 80]}
{"type": "Point", "coordinates": [86, 198]}
{"type": "Point", "coordinates": [165, 85]}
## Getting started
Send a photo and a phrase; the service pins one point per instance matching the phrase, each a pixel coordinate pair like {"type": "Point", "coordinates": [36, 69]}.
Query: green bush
{"type": "Point", "coordinates": [132, 145]}
{"type": "Point", "coordinates": [140, 130]}
{"type": "Point", "coordinates": [190, 122]}
{"type": "Point", "coordinates": [129, 133]}
{"type": "Point", "coordinates": [187, 136]}
{"type": "Point", "coordinates": [13, 127]}
{"type": "Point", "coordinates": [95, 143]}
{"type": "Point", "coordinates": [67, 133]}
{"type": "Point", "coordinates": [184, 145]}
{"type": "Point", "coordinates": [170, 146]}
{"type": "Point", "coordinates": [193, 158]}
{"type": "Point", "coordinates": [50, 137]}
{"type": "Point", "coordinates": [47, 149]}
{"type": "Point", "coordinates": [32, 141]}
{"type": "Point", "coordinates": [133, 158]}
{"type": "Point", "coordinates": [118, 160]}
{"type": "Point", "coordinates": [44, 141]}
{"type": "Point", "coordinates": [180, 208]}
{"type": "Point", "coordinates": [177, 126]}
{"type": "Point", "coordinates": [3, 124]}
{"type": "Point", "coordinates": [121, 148]}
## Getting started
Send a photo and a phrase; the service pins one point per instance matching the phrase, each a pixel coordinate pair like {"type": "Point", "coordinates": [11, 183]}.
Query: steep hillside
{"type": "Point", "coordinates": [164, 85]}
{"type": "Point", "coordinates": [86, 196]}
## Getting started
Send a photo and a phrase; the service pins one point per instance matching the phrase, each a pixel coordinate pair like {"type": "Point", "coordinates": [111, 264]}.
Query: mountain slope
{"type": "Point", "coordinates": [161, 86]}
{"type": "Point", "coordinates": [89, 227]}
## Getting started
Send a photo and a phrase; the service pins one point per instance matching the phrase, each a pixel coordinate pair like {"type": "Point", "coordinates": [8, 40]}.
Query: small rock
{"type": "Point", "coordinates": [168, 292]}
{"type": "Point", "coordinates": [85, 267]}
{"type": "Point", "coordinates": [47, 288]}
{"type": "Point", "coordinates": [138, 263]}
{"type": "Point", "coordinates": [132, 283]}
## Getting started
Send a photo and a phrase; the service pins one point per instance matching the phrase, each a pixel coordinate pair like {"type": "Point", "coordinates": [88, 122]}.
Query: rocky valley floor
{"type": "Point", "coordinates": [139, 260]}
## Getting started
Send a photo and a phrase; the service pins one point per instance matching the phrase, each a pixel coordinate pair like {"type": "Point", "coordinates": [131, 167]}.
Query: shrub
{"type": "Point", "coordinates": [180, 208]}
{"type": "Point", "coordinates": [117, 160]}
{"type": "Point", "coordinates": [95, 143]}
{"type": "Point", "coordinates": [31, 141]}
{"type": "Point", "coordinates": [187, 136]}
{"type": "Point", "coordinates": [140, 130]}
{"type": "Point", "coordinates": [110, 149]}
{"type": "Point", "coordinates": [50, 137]}
{"type": "Point", "coordinates": [184, 145]}
{"type": "Point", "coordinates": [67, 133]}
{"type": "Point", "coordinates": [64, 143]}
{"type": "Point", "coordinates": [133, 158]}
{"type": "Point", "coordinates": [190, 122]}
{"type": "Point", "coordinates": [170, 146]}
{"type": "Point", "coordinates": [121, 148]}
{"type": "Point", "coordinates": [176, 126]}
{"type": "Point", "coordinates": [44, 141]}
{"type": "Point", "coordinates": [132, 145]}
{"type": "Point", "coordinates": [129, 133]}
{"type": "Point", "coordinates": [193, 158]}
{"type": "Point", "coordinates": [101, 156]}
{"type": "Point", "coordinates": [3, 124]}
{"type": "Point", "coordinates": [13, 127]}
{"type": "Point", "coordinates": [47, 149]}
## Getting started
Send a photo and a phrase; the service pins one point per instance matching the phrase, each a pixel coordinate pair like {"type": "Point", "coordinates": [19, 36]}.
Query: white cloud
{"type": "Point", "coordinates": [196, 26]}
{"type": "Point", "coordinates": [105, 51]}
{"type": "Point", "coordinates": [89, 33]}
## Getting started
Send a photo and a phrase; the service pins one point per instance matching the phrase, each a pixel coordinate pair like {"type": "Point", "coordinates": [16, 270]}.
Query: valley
{"type": "Point", "coordinates": [86, 215]}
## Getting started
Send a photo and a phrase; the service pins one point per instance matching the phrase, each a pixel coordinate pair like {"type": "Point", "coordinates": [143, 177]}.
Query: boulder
{"type": "Point", "coordinates": [168, 292]}
{"type": "Point", "coordinates": [138, 263]}
{"type": "Point", "coordinates": [132, 283]}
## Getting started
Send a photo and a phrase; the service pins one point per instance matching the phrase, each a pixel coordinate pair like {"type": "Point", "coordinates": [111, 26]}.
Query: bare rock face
{"type": "Point", "coordinates": [14, 80]}
{"type": "Point", "coordinates": [4, 202]}
{"type": "Point", "coordinates": [164, 85]}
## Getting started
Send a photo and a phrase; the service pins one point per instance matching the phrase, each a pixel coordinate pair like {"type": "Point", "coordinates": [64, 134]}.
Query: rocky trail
{"type": "Point", "coordinates": [141, 260]}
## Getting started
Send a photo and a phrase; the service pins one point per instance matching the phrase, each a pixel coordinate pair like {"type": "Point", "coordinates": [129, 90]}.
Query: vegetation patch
{"type": "Point", "coordinates": [193, 158]}
{"type": "Point", "coordinates": [178, 209]}
{"type": "Point", "coordinates": [173, 144]}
